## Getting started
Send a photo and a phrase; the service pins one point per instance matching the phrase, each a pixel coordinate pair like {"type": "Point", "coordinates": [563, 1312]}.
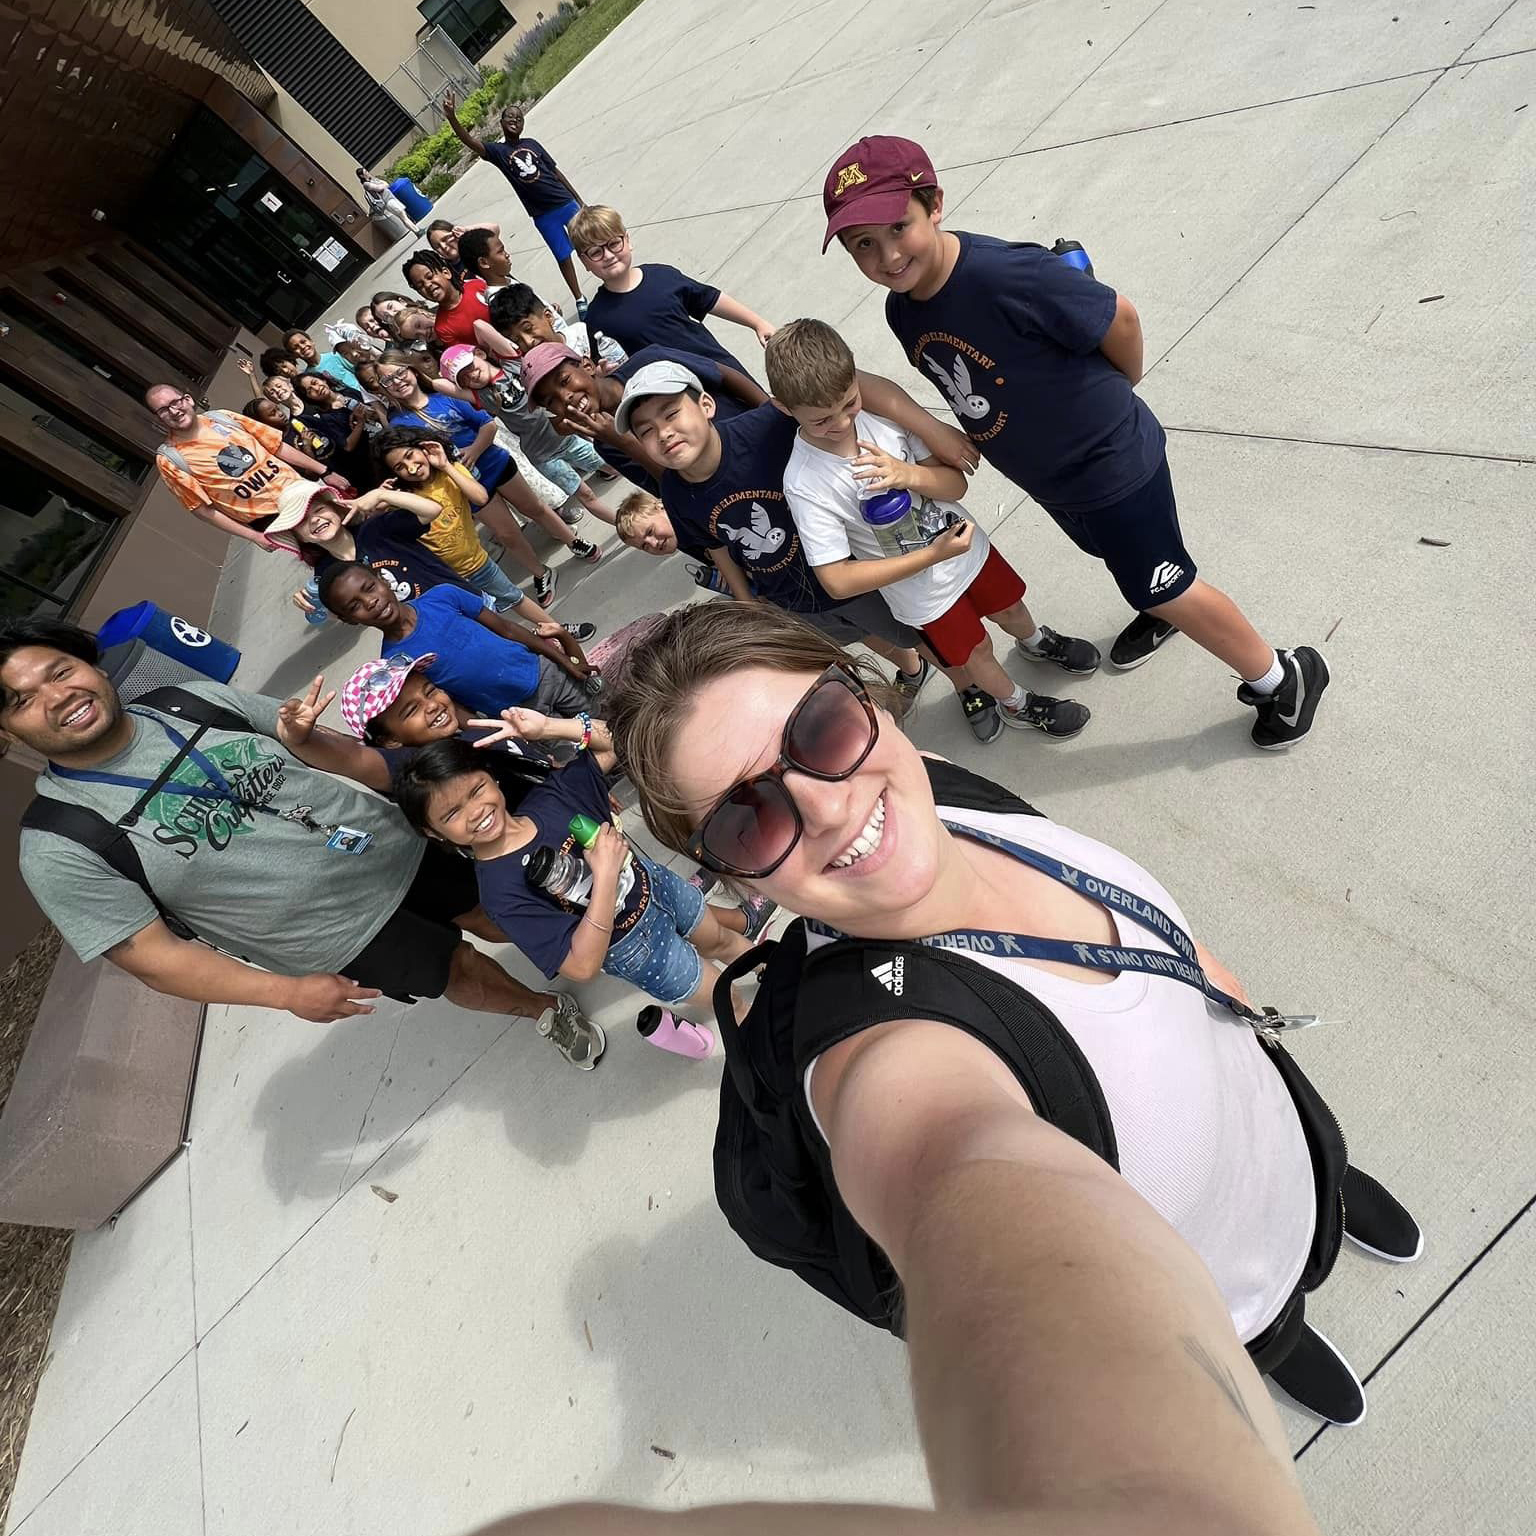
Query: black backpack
{"type": "Point", "coordinates": [109, 840]}
{"type": "Point", "coordinates": [773, 1171]}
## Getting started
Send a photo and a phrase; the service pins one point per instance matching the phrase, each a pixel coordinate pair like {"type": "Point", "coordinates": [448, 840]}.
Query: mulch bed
{"type": "Point", "coordinates": [32, 1259]}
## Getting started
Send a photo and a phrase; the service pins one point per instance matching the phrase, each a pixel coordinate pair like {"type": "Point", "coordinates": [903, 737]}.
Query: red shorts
{"type": "Point", "coordinates": [956, 633]}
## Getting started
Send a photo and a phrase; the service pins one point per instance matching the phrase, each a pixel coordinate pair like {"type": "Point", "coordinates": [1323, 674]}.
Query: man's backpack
{"type": "Point", "coordinates": [773, 1170]}
{"type": "Point", "coordinates": [110, 840]}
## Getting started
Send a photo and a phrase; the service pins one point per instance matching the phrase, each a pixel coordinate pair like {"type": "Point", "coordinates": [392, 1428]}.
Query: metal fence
{"type": "Point", "coordinates": [436, 65]}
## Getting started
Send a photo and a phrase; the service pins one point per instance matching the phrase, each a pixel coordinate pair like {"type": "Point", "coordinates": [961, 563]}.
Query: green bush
{"type": "Point", "coordinates": [438, 183]}
{"type": "Point", "coordinates": [441, 147]}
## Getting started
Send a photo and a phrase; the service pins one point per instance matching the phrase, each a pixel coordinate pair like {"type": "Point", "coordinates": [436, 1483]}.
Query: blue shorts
{"type": "Point", "coordinates": [655, 955]}
{"type": "Point", "coordinates": [551, 226]}
{"type": "Point", "coordinates": [1138, 538]}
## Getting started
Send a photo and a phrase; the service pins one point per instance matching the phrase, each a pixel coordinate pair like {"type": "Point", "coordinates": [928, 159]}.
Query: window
{"type": "Point", "coordinates": [49, 545]}
{"type": "Point", "coordinates": [81, 438]}
{"type": "Point", "coordinates": [473, 25]}
{"type": "Point", "coordinates": [15, 310]}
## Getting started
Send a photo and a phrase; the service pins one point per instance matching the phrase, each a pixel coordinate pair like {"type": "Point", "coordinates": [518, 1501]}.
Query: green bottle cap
{"type": "Point", "coordinates": [585, 830]}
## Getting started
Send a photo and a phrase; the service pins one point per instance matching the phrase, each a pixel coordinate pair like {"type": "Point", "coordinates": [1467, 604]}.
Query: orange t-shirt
{"type": "Point", "coordinates": [231, 465]}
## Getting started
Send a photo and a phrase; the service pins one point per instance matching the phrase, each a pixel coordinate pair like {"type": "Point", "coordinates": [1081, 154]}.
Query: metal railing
{"type": "Point", "coordinates": [436, 65]}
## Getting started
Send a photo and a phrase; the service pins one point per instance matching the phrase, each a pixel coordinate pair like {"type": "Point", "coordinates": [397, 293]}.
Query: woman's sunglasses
{"type": "Point", "coordinates": [755, 825]}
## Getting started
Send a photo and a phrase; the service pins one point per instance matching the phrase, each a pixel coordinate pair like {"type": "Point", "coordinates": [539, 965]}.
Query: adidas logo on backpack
{"type": "Point", "coordinates": [892, 975]}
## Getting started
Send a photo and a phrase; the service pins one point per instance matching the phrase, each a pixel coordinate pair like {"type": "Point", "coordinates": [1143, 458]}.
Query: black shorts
{"type": "Point", "coordinates": [508, 475]}
{"type": "Point", "coordinates": [410, 956]}
{"type": "Point", "coordinates": [1138, 538]}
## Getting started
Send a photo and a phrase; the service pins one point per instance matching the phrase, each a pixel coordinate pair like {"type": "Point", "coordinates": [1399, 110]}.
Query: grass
{"type": "Point", "coordinates": [574, 44]}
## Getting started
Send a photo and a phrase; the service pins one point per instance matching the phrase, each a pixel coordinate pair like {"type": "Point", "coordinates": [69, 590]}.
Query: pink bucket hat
{"type": "Point", "coordinates": [375, 686]}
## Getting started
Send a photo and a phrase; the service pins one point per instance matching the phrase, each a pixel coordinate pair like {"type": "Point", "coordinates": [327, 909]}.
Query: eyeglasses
{"type": "Point", "coordinates": [607, 248]}
{"type": "Point", "coordinates": [396, 376]}
{"type": "Point", "coordinates": [173, 405]}
{"type": "Point", "coordinates": [754, 827]}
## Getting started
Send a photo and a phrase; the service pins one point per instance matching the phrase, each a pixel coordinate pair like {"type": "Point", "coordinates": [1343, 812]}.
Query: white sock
{"type": "Point", "coordinates": [1033, 642]}
{"type": "Point", "coordinates": [1271, 679]}
{"type": "Point", "coordinates": [1015, 700]}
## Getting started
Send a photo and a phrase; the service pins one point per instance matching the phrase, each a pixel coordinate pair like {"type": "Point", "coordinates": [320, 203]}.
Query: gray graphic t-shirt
{"type": "Point", "coordinates": [256, 886]}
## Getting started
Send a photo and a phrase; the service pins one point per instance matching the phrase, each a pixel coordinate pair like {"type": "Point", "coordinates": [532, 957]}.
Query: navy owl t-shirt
{"type": "Point", "coordinates": [531, 170]}
{"type": "Point", "coordinates": [1012, 341]}
{"type": "Point", "coordinates": [741, 508]}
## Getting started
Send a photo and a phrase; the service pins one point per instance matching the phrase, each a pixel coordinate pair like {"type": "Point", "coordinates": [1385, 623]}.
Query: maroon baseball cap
{"type": "Point", "coordinates": [872, 182]}
{"type": "Point", "coordinates": [541, 361]}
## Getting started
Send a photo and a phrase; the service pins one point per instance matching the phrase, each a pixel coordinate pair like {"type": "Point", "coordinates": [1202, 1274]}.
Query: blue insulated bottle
{"type": "Point", "coordinates": [1074, 255]}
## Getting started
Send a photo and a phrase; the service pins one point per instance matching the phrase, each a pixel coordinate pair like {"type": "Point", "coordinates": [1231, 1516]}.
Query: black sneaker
{"type": "Point", "coordinates": [1136, 642]}
{"type": "Point", "coordinates": [981, 714]}
{"type": "Point", "coordinates": [1076, 656]}
{"type": "Point", "coordinates": [1315, 1376]}
{"type": "Point", "coordinates": [1376, 1221]}
{"type": "Point", "coordinates": [580, 631]}
{"type": "Point", "coordinates": [1058, 718]}
{"type": "Point", "coordinates": [758, 911]}
{"type": "Point", "coordinates": [1285, 715]}
{"type": "Point", "coordinates": [584, 549]}
{"type": "Point", "coordinates": [544, 586]}
{"type": "Point", "coordinates": [910, 684]}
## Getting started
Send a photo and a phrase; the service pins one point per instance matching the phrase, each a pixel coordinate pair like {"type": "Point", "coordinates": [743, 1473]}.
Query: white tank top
{"type": "Point", "coordinates": [1205, 1126]}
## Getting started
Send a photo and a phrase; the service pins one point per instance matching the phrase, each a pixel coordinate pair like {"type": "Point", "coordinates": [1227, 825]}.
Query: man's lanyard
{"type": "Point", "coordinates": [217, 787]}
{"type": "Point", "coordinates": [1184, 965]}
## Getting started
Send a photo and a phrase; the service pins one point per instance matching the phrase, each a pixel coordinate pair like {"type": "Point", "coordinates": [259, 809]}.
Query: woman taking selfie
{"type": "Point", "coordinates": [763, 751]}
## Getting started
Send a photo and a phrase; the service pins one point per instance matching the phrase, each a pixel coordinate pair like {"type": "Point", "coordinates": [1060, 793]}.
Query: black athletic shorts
{"type": "Point", "coordinates": [1138, 538]}
{"type": "Point", "coordinates": [410, 956]}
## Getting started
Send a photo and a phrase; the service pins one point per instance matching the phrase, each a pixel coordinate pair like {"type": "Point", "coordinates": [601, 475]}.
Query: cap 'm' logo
{"type": "Point", "coordinates": [850, 176]}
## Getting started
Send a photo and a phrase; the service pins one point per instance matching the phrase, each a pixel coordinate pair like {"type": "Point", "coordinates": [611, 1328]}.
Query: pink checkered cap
{"type": "Point", "coordinates": [451, 363]}
{"type": "Point", "coordinates": [375, 686]}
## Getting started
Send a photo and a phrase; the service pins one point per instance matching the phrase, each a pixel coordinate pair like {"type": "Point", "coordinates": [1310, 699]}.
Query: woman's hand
{"type": "Point", "coordinates": [876, 470]}
{"type": "Point", "coordinates": [516, 724]}
{"type": "Point", "coordinates": [436, 454]}
{"type": "Point", "coordinates": [296, 719]}
{"type": "Point", "coordinates": [606, 855]}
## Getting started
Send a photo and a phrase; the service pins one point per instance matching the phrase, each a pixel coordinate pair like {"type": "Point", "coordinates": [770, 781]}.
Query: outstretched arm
{"type": "Point", "coordinates": [738, 314]}
{"type": "Point", "coordinates": [461, 133]}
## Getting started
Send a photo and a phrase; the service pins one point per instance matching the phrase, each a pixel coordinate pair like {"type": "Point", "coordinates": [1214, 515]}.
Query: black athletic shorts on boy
{"type": "Point", "coordinates": [410, 956]}
{"type": "Point", "coordinates": [867, 614]}
{"type": "Point", "coordinates": [1138, 538]}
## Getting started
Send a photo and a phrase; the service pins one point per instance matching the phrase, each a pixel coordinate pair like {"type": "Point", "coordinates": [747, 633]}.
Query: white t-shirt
{"type": "Point", "coordinates": [823, 498]}
{"type": "Point", "coordinates": [1206, 1128]}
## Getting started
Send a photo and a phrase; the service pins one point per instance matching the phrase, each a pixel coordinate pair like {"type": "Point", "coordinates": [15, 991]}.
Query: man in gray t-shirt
{"type": "Point", "coordinates": [310, 877]}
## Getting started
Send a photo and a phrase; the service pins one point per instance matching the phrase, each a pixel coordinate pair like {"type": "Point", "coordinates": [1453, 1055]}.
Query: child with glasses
{"type": "Point", "coordinates": [653, 304]}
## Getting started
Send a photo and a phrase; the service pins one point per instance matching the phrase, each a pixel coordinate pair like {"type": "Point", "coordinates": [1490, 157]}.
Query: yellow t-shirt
{"type": "Point", "coordinates": [231, 464]}
{"type": "Point", "coordinates": [451, 534]}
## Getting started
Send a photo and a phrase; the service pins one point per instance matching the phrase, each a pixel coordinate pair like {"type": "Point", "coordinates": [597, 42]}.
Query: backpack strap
{"type": "Point", "coordinates": [190, 706]}
{"type": "Point", "coordinates": [174, 456]}
{"type": "Point", "coordinates": [110, 843]}
{"type": "Point", "coordinates": [966, 791]}
{"type": "Point", "coordinates": [852, 984]}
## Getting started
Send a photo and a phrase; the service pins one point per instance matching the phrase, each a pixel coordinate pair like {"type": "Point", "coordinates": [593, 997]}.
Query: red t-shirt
{"type": "Point", "coordinates": [457, 325]}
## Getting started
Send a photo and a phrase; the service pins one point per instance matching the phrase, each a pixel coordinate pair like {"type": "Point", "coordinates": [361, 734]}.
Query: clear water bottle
{"type": "Point", "coordinates": [564, 876]}
{"type": "Point", "coordinates": [902, 523]}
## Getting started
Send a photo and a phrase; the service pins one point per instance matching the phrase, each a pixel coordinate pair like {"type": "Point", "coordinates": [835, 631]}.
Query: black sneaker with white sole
{"type": "Point", "coordinates": [1285, 715]}
{"type": "Point", "coordinates": [1058, 718]}
{"type": "Point", "coordinates": [1079, 657]}
{"type": "Point", "coordinates": [1315, 1376]}
{"type": "Point", "coordinates": [1376, 1221]}
{"type": "Point", "coordinates": [981, 715]}
{"type": "Point", "coordinates": [584, 549]}
{"type": "Point", "coordinates": [544, 586]}
{"type": "Point", "coordinates": [1137, 641]}
{"type": "Point", "coordinates": [910, 684]}
{"type": "Point", "coordinates": [582, 630]}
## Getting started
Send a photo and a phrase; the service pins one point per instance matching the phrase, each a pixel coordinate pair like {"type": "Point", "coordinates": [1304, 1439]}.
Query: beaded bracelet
{"type": "Point", "coordinates": [586, 731]}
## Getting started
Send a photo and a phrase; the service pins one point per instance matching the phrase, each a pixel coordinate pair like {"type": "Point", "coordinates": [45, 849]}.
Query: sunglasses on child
{"type": "Point", "coordinates": [756, 824]}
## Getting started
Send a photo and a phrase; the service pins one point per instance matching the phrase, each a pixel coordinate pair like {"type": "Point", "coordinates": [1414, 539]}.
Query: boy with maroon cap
{"type": "Point", "coordinates": [1039, 362]}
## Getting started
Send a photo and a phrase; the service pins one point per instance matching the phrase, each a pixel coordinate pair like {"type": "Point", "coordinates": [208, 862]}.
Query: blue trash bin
{"type": "Point", "coordinates": [417, 203]}
{"type": "Point", "coordinates": [175, 637]}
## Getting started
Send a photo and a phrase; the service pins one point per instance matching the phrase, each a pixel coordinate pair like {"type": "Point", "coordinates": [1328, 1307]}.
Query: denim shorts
{"type": "Point", "coordinates": [656, 955]}
{"type": "Point", "coordinates": [500, 591]}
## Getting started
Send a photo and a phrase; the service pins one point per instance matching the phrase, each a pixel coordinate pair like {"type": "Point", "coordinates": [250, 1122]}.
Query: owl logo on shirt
{"type": "Point", "coordinates": [759, 539]}
{"type": "Point", "coordinates": [396, 584]}
{"type": "Point", "coordinates": [525, 165]}
{"type": "Point", "coordinates": [233, 460]}
{"type": "Point", "coordinates": [956, 385]}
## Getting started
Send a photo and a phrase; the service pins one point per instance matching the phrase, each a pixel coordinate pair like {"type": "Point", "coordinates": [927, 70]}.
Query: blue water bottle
{"type": "Point", "coordinates": [1074, 255]}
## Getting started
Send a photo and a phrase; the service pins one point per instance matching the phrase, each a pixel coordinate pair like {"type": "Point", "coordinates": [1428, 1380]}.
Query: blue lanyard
{"type": "Point", "coordinates": [1184, 965]}
{"type": "Point", "coordinates": [217, 787]}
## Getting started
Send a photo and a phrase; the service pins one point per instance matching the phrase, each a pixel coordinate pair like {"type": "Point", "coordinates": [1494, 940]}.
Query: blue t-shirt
{"type": "Point", "coordinates": [539, 924]}
{"type": "Point", "coordinates": [741, 508]}
{"type": "Point", "coordinates": [531, 170]}
{"type": "Point", "coordinates": [339, 369]}
{"type": "Point", "coordinates": [460, 423]}
{"type": "Point", "coordinates": [389, 543]}
{"type": "Point", "coordinates": [708, 371]}
{"type": "Point", "coordinates": [1012, 339]}
{"type": "Point", "coordinates": [665, 310]}
{"type": "Point", "coordinates": [475, 666]}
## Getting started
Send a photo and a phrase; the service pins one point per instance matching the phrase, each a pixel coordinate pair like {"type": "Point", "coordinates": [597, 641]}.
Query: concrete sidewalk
{"type": "Point", "coordinates": [552, 1307]}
